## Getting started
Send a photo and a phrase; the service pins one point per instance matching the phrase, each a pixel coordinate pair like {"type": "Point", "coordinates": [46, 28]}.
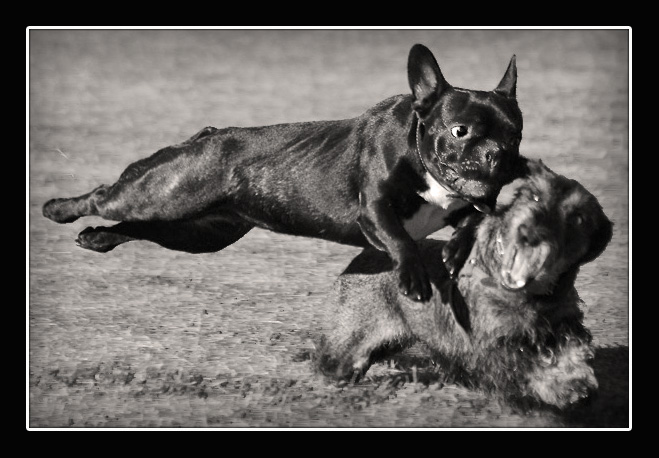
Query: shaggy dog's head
{"type": "Point", "coordinates": [556, 225]}
{"type": "Point", "coordinates": [526, 333]}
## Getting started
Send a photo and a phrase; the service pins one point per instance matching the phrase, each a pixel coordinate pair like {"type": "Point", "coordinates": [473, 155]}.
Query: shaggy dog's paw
{"type": "Point", "coordinates": [568, 380]}
{"type": "Point", "coordinates": [338, 365]}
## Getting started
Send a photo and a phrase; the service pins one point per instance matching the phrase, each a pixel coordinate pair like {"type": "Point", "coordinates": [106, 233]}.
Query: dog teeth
{"type": "Point", "coordinates": [482, 208]}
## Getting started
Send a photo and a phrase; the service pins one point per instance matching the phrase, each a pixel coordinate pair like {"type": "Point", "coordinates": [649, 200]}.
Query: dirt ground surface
{"type": "Point", "coordinates": [145, 337]}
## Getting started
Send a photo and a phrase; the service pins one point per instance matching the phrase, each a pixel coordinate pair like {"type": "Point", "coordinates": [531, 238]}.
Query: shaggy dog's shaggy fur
{"type": "Point", "coordinates": [513, 325]}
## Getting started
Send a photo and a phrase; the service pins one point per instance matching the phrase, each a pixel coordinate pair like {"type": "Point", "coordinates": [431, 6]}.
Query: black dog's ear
{"type": "Point", "coordinates": [425, 78]}
{"type": "Point", "coordinates": [508, 84]}
{"type": "Point", "coordinates": [599, 240]}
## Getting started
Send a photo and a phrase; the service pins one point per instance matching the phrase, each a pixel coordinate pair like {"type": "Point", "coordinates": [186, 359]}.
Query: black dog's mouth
{"type": "Point", "coordinates": [477, 192]}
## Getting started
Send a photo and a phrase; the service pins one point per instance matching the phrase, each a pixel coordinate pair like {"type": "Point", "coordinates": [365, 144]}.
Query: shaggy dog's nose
{"type": "Point", "coordinates": [528, 235]}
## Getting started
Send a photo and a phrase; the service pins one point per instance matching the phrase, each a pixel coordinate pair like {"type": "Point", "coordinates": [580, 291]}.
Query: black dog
{"type": "Point", "coordinates": [361, 181]}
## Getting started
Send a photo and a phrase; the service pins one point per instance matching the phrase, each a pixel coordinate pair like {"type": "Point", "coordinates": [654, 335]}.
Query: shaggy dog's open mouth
{"type": "Point", "coordinates": [524, 266]}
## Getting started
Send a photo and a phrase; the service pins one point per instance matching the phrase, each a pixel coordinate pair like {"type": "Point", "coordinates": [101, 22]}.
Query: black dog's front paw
{"type": "Point", "coordinates": [454, 255]}
{"type": "Point", "coordinates": [456, 250]}
{"type": "Point", "coordinates": [413, 280]}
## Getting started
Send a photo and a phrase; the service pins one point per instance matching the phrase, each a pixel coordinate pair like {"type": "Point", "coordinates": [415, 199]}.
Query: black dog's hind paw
{"type": "Point", "coordinates": [96, 239]}
{"type": "Point", "coordinates": [59, 210]}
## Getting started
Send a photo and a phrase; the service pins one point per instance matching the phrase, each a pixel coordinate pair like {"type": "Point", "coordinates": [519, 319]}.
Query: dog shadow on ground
{"type": "Point", "coordinates": [607, 408]}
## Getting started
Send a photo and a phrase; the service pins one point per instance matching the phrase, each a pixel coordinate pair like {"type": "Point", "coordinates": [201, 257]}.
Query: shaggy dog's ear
{"type": "Point", "coordinates": [507, 194]}
{"type": "Point", "coordinates": [600, 239]}
{"type": "Point", "coordinates": [522, 169]}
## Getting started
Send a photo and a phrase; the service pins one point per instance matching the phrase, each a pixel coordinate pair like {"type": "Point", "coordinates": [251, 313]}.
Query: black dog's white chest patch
{"type": "Point", "coordinates": [431, 217]}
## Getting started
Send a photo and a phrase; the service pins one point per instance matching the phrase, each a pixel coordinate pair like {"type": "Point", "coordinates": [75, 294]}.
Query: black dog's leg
{"type": "Point", "coordinates": [202, 235]}
{"type": "Point", "coordinates": [104, 239]}
{"type": "Point", "coordinates": [384, 230]}
{"type": "Point", "coordinates": [457, 248]}
{"type": "Point", "coordinates": [166, 186]}
{"type": "Point", "coordinates": [68, 210]}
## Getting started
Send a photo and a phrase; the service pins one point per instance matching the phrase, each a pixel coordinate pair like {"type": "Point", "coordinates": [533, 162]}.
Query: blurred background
{"type": "Point", "coordinates": [143, 336]}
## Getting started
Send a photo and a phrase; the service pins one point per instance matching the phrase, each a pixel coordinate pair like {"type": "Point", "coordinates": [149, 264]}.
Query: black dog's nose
{"type": "Point", "coordinates": [494, 153]}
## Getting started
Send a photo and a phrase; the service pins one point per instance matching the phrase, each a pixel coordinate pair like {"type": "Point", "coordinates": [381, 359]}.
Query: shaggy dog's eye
{"type": "Point", "coordinates": [459, 131]}
{"type": "Point", "coordinates": [576, 219]}
{"type": "Point", "coordinates": [529, 193]}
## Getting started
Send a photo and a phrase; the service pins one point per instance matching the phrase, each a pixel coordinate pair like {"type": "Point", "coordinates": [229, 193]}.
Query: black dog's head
{"type": "Point", "coordinates": [469, 140]}
{"type": "Point", "coordinates": [544, 227]}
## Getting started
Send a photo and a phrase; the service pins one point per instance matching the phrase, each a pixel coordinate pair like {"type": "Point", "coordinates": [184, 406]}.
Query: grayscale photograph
{"type": "Point", "coordinates": [328, 228]}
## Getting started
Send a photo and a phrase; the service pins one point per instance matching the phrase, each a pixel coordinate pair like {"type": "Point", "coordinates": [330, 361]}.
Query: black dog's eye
{"type": "Point", "coordinates": [459, 131]}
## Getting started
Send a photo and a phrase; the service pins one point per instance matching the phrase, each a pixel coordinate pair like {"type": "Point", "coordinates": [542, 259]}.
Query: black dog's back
{"type": "Point", "coordinates": [297, 178]}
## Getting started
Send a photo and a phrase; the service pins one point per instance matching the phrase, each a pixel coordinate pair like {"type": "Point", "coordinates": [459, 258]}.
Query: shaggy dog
{"type": "Point", "coordinates": [511, 323]}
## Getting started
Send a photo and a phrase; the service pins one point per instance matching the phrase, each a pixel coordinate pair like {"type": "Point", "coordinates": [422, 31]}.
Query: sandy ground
{"type": "Point", "coordinates": [146, 337]}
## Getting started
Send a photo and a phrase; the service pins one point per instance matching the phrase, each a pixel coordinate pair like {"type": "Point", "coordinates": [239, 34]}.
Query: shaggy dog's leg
{"type": "Point", "coordinates": [566, 378]}
{"type": "Point", "coordinates": [350, 349]}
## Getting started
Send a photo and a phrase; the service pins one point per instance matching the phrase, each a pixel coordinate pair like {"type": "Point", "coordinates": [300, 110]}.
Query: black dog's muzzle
{"type": "Point", "coordinates": [480, 205]}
